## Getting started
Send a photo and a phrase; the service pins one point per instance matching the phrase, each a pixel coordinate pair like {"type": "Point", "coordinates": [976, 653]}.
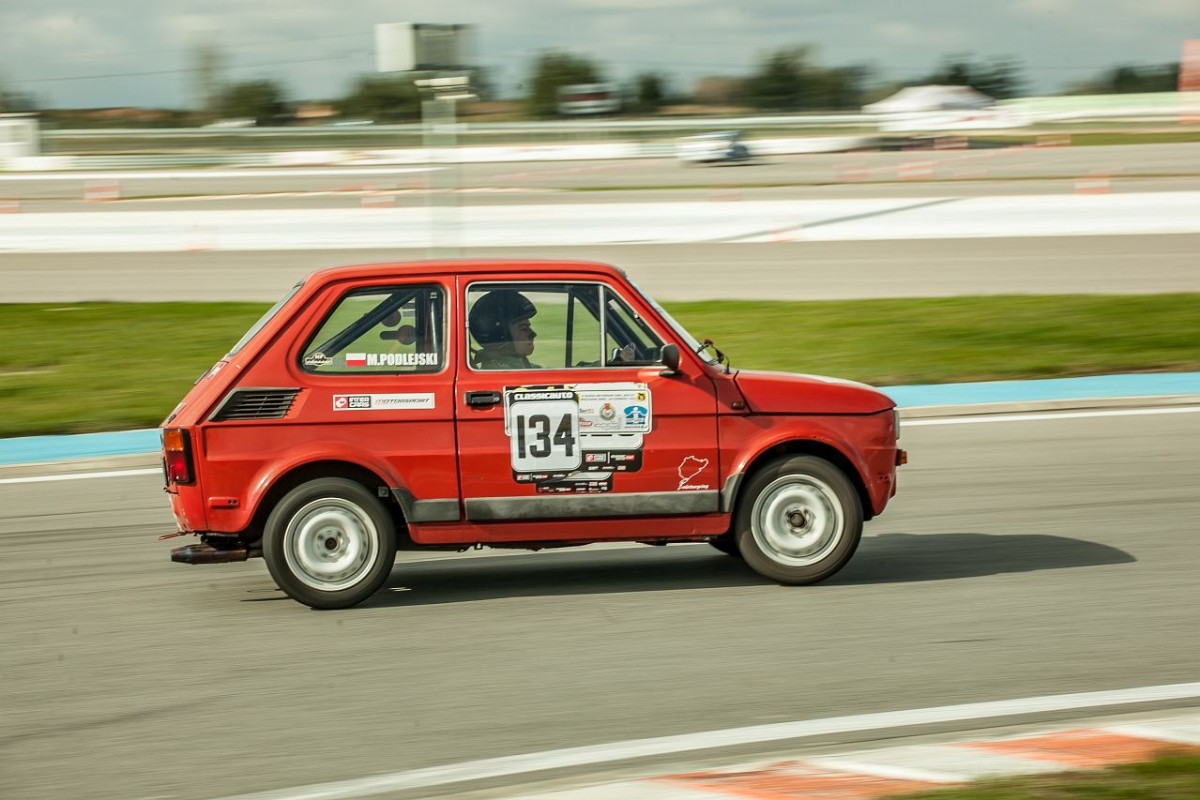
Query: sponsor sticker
{"type": "Point", "coordinates": [317, 359]}
{"type": "Point", "coordinates": [383, 402]}
{"type": "Point", "coordinates": [572, 438]}
{"type": "Point", "coordinates": [635, 417]}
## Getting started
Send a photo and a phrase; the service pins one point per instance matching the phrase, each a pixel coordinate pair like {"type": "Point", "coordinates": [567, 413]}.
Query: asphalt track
{"type": "Point", "coordinates": [781, 270]}
{"type": "Point", "coordinates": [1007, 170]}
{"type": "Point", "coordinates": [1022, 557]}
{"type": "Point", "coordinates": [1027, 557]}
{"type": "Point", "coordinates": [789, 267]}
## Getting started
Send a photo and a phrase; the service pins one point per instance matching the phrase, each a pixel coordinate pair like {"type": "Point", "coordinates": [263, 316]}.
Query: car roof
{"type": "Point", "coordinates": [434, 267]}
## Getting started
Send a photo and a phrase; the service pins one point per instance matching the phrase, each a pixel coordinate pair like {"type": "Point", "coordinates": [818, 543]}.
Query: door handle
{"type": "Point", "coordinates": [483, 398]}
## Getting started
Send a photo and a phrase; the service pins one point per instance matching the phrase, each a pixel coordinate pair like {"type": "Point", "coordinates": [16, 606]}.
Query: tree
{"type": "Point", "coordinates": [720, 90]}
{"type": "Point", "coordinates": [789, 80]}
{"type": "Point", "coordinates": [383, 99]}
{"type": "Point", "coordinates": [260, 100]}
{"type": "Point", "coordinates": [1128, 79]}
{"type": "Point", "coordinates": [839, 87]}
{"type": "Point", "coordinates": [12, 101]}
{"type": "Point", "coordinates": [16, 102]}
{"type": "Point", "coordinates": [779, 84]}
{"type": "Point", "coordinates": [552, 70]}
{"type": "Point", "coordinates": [650, 92]}
{"type": "Point", "coordinates": [999, 78]}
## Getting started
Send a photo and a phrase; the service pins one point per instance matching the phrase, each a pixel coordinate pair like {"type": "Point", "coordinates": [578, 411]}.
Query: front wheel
{"type": "Point", "coordinates": [329, 543]}
{"type": "Point", "coordinates": [799, 520]}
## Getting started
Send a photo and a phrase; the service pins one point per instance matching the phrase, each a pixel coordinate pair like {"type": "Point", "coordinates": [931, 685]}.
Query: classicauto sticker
{"type": "Point", "coordinates": [382, 402]}
{"type": "Point", "coordinates": [573, 438]}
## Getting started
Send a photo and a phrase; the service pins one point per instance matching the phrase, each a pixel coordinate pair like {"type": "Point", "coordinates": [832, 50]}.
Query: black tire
{"type": "Point", "coordinates": [727, 544]}
{"type": "Point", "coordinates": [799, 520]}
{"type": "Point", "coordinates": [329, 543]}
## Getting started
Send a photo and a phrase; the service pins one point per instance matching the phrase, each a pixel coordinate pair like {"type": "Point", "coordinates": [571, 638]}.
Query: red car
{"type": "Point", "coordinates": [456, 404]}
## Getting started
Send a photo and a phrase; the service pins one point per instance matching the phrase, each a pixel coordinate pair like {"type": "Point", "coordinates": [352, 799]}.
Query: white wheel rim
{"type": "Point", "coordinates": [797, 520]}
{"type": "Point", "coordinates": [330, 544]}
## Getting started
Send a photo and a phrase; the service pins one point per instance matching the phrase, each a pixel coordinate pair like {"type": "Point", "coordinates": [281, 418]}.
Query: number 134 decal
{"type": "Point", "coordinates": [554, 431]}
{"type": "Point", "coordinates": [544, 435]}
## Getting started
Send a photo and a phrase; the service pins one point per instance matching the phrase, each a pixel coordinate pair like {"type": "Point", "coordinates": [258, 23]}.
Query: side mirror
{"type": "Point", "coordinates": [670, 360]}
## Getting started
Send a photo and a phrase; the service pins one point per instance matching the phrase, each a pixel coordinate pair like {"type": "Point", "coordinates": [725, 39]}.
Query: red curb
{"type": "Point", "coordinates": [1083, 748]}
{"type": "Point", "coordinates": [799, 782]}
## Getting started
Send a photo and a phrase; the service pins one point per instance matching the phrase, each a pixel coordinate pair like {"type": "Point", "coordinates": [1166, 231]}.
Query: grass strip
{"type": "Point", "coordinates": [1168, 777]}
{"type": "Point", "coordinates": [115, 366]}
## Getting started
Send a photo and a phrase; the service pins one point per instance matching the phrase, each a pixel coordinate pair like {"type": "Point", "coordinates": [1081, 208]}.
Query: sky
{"type": "Point", "coordinates": [94, 53]}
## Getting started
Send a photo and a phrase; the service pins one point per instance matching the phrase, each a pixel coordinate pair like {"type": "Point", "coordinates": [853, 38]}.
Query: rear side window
{"type": "Point", "coordinates": [392, 329]}
{"type": "Point", "coordinates": [263, 320]}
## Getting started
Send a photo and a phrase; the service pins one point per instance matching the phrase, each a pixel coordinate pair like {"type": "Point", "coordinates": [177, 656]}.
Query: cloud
{"type": "Point", "coordinates": [1172, 9]}
{"type": "Point", "coordinates": [74, 38]}
{"type": "Point", "coordinates": [908, 34]}
{"type": "Point", "coordinates": [641, 5]}
{"type": "Point", "coordinates": [1046, 8]}
{"type": "Point", "coordinates": [1095, 13]}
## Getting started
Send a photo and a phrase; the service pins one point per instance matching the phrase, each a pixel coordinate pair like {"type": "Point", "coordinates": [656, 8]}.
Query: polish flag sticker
{"type": "Point", "coordinates": [356, 359]}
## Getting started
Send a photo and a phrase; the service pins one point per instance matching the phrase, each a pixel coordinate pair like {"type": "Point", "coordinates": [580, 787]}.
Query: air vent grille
{"type": "Point", "coordinates": [256, 404]}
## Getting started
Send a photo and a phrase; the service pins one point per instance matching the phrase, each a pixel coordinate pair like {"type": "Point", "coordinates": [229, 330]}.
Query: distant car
{"type": "Point", "coordinates": [713, 148]}
{"type": "Point", "coordinates": [395, 406]}
{"type": "Point", "coordinates": [232, 123]}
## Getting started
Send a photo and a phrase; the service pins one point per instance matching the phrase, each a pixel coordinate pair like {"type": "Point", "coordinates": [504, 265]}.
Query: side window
{"type": "Point", "coordinates": [534, 325]}
{"type": "Point", "coordinates": [381, 329]}
{"type": "Point", "coordinates": [628, 339]}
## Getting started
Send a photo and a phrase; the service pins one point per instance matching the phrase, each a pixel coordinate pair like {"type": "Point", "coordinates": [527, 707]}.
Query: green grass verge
{"type": "Point", "coordinates": [1169, 777]}
{"type": "Point", "coordinates": [111, 366]}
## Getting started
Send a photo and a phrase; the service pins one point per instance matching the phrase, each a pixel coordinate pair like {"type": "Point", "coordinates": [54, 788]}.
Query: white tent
{"type": "Point", "coordinates": [930, 98]}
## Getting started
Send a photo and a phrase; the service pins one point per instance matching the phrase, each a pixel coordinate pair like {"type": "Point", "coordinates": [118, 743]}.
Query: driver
{"type": "Point", "coordinates": [500, 323]}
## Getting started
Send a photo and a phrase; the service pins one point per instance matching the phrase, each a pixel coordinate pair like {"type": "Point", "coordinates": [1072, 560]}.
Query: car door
{"type": "Point", "coordinates": [585, 425]}
{"type": "Point", "coordinates": [378, 368]}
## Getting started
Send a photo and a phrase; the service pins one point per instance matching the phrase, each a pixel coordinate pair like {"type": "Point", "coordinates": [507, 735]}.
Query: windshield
{"type": "Point", "coordinates": [690, 341]}
{"type": "Point", "coordinates": [263, 320]}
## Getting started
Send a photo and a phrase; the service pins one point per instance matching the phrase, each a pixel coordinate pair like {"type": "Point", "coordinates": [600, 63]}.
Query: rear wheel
{"type": "Point", "coordinates": [799, 521]}
{"type": "Point", "coordinates": [329, 543]}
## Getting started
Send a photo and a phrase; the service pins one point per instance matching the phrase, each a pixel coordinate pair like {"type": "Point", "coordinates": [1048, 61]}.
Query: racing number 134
{"type": "Point", "coordinates": [544, 436]}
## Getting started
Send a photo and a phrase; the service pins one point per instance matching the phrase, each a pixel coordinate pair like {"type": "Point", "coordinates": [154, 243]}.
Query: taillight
{"type": "Point", "coordinates": [177, 455]}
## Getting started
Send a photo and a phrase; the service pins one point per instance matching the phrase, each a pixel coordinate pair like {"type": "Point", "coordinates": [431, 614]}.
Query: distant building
{"type": "Point", "coordinates": [313, 113]}
{"type": "Point", "coordinates": [589, 98]}
{"type": "Point", "coordinates": [19, 136]}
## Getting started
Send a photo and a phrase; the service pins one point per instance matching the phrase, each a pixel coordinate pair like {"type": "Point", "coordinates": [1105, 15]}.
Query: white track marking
{"type": "Point", "coordinates": [542, 224]}
{"type": "Point", "coordinates": [81, 476]}
{"type": "Point", "coordinates": [757, 734]}
{"type": "Point", "coordinates": [1182, 731]}
{"type": "Point", "coordinates": [1045, 415]}
{"type": "Point", "coordinates": [147, 175]}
